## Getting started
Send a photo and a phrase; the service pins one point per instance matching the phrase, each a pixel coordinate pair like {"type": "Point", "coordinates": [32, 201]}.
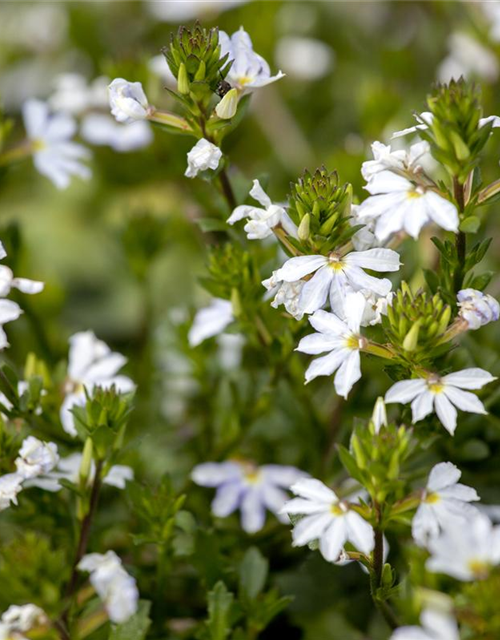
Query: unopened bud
{"type": "Point", "coordinates": [227, 107]}
{"type": "Point", "coordinates": [379, 415]}
{"type": "Point", "coordinates": [86, 463]}
{"type": "Point", "coordinates": [410, 342]}
{"type": "Point", "coordinates": [304, 227]}
{"type": "Point", "coordinates": [236, 302]}
{"type": "Point", "coordinates": [183, 80]}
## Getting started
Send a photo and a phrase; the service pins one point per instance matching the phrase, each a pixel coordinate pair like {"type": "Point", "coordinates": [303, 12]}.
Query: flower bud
{"type": "Point", "coordinates": [379, 415]}
{"type": "Point", "coordinates": [410, 342]}
{"type": "Point", "coordinates": [86, 463]}
{"type": "Point", "coordinates": [477, 308]}
{"type": "Point", "coordinates": [183, 80]}
{"type": "Point", "coordinates": [128, 101]}
{"type": "Point", "coordinates": [304, 227]}
{"type": "Point", "coordinates": [227, 107]}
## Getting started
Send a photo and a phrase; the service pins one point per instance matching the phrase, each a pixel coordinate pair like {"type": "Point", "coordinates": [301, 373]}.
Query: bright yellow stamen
{"type": "Point", "coordinates": [352, 342]}
{"type": "Point", "coordinates": [432, 498]}
{"type": "Point", "coordinates": [413, 194]}
{"type": "Point", "coordinates": [479, 568]}
{"type": "Point", "coordinates": [38, 145]}
{"type": "Point", "coordinates": [436, 387]}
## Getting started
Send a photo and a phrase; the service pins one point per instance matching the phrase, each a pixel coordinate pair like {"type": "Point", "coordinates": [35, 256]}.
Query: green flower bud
{"type": "Point", "coordinates": [183, 80]}
{"type": "Point", "coordinates": [411, 340]}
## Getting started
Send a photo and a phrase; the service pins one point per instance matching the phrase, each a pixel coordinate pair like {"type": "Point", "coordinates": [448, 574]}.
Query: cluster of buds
{"type": "Point", "coordinates": [194, 57]}
{"type": "Point", "coordinates": [321, 209]}
{"type": "Point", "coordinates": [455, 128]}
{"type": "Point", "coordinates": [416, 323]}
{"type": "Point", "coordinates": [103, 419]}
{"type": "Point", "coordinates": [375, 458]}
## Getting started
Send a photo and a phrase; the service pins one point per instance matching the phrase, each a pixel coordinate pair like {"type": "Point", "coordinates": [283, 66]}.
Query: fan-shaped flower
{"type": "Point", "coordinates": [253, 490]}
{"type": "Point", "coordinates": [442, 394]}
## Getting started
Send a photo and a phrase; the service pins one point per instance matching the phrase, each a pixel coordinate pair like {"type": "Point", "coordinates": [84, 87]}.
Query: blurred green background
{"type": "Point", "coordinates": [356, 71]}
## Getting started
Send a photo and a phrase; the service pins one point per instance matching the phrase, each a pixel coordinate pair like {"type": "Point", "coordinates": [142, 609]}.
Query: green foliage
{"type": "Point", "coordinates": [136, 627]}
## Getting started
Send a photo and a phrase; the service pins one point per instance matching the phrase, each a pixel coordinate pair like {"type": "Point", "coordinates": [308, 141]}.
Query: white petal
{"type": "Point", "coordinates": [210, 321]}
{"type": "Point", "coordinates": [422, 406]}
{"type": "Point", "coordinates": [9, 311]}
{"type": "Point", "coordinates": [415, 216]}
{"type": "Point", "coordinates": [441, 626]}
{"type": "Point", "coordinates": [328, 323]}
{"type": "Point", "coordinates": [105, 368]}
{"type": "Point", "coordinates": [315, 291]}
{"type": "Point", "coordinates": [299, 506]}
{"type": "Point", "coordinates": [118, 476]}
{"type": "Point", "coordinates": [443, 475]}
{"type": "Point", "coordinates": [313, 489]}
{"type": "Point", "coordinates": [243, 211]}
{"type": "Point", "coordinates": [281, 475]}
{"type": "Point", "coordinates": [442, 211]}
{"type": "Point", "coordinates": [359, 532]}
{"type": "Point", "coordinates": [387, 181]}
{"type": "Point", "coordinates": [227, 499]}
{"type": "Point", "coordinates": [424, 524]}
{"type": "Point", "coordinates": [333, 539]}
{"type": "Point", "coordinates": [460, 492]}
{"type": "Point", "coordinates": [358, 280]}
{"type": "Point", "coordinates": [348, 374]}
{"type": "Point", "coordinates": [474, 378]}
{"type": "Point", "coordinates": [317, 343]}
{"type": "Point", "coordinates": [296, 268]}
{"type": "Point", "coordinates": [327, 365]}
{"type": "Point", "coordinates": [310, 528]}
{"type": "Point", "coordinates": [446, 412]}
{"type": "Point", "coordinates": [464, 400]}
{"type": "Point", "coordinates": [355, 305]}
{"type": "Point", "coordinates": [405, 391]}
{"type": "Point", "coordinates": [258, 193]}
{"type": "Point", "coordinates": [375, 259]}
{"type": "Point", "coordinates": [212, 474]}
{"type": "Point", "coordinates": [28, 286]}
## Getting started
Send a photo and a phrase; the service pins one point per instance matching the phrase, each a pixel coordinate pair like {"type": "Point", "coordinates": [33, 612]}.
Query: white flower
{"type": "Point", "coordinates": [444, 503]}
{"type": "Point", "coordinates": [55, 155]}
{"type": "Point", "coordinates": [384, 159]}
{"type": "Point", "coordinates": [128, 101]}
{"type": "Point", "coordinates": [285, 293]}
{"type": "Point", "coordinates": [18, 619]}
{"type": "Point", "coordinates": [249, 70]}
{"type": "Point", "coordinates": [477, 308]}
{"type": "Point", "coordinates": [116, 588]}
{"type": "Point", "coordinates": [467, 58]}
{"type": "Point", "coordinates": [10, 486]}
{"type": "Point", "coordinates": [101, 130]}
{"type": "Point", "coordinates": [74, 95]}
{"type": "Point", "coordinates": [398, 204]}
{"type": "Point", "coordinates": [251, 489]}
{"type": "Point", "coordinates": [343, 342]}
{"type": "Point", "coordinates": [436, 625]}
{"type": "Point", "coordinates": [425, 118]}
{"type": "Point", "coordinates": [375, 308]}
{"type": "Point", "coordinates": [261, 221]}
{"type": "Point", "coordinates": [187, 10]}
{"type": "Point", "coordinates": [36, 458]}
{"type": "Point", "coordinates": [204, 155]}
{"type": "Point", "coordinates": [9, 311]}
{"type": "Point", "coordinates": [442, 394]}
{"type": "Point", "coordinates": [91, 363]}
{"type": "Point", "coordinates": [335, 276]}
{"type": "Point", "coordinates": [379, 415]}
{"type": "Point", "coordinates": [8, 282]}
{"type": "Point", "coordinates": [304, 58]}
{"type": "Point", "coordinates": [210, 321]}
{"type": "Point", "coordinates": [68, 469]}
{"type": "Point", "coordinates": [466, 552]}
{"type": "Point", "coordinates": [326, 518]}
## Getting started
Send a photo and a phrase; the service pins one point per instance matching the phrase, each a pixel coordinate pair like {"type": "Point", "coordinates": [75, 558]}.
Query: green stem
{"type": "Point", "coordinates": [461, 240]}
{"type": "Point", "coordinates": [227, 190]}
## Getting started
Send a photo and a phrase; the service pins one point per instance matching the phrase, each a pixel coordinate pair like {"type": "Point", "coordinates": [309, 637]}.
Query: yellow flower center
{"type": "Point", "coordinates": [339, 509]}
{"type": "Point", "coordinates": [432, 498]}
{"type": "Point", "coordinates": [38, 145]}
{"type": "Point", "coordinates": [352, 342]}
{"type": "Point", "coordinates": [243, 80]}
{"type": "Point", "coordinates": [436, 387]}
{"type": "Point", "coordinates": [418, 192]}
{"type": "Point", "coordinates": [335, 263]}
{"type": "Point", "coordinates": [479, 568]}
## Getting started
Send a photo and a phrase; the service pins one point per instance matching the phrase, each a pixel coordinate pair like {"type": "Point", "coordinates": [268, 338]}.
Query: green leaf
{"type": "Point", "coordinates": [253, 573]}
{"type": "Point", "coordinates": [136, 627]}
{"type": "Point", "coordinates": [470, 224]}
{"type": "Point", "coordinates": [350, 464]}
{"type": "Point", "coordinates": [220, 601]}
